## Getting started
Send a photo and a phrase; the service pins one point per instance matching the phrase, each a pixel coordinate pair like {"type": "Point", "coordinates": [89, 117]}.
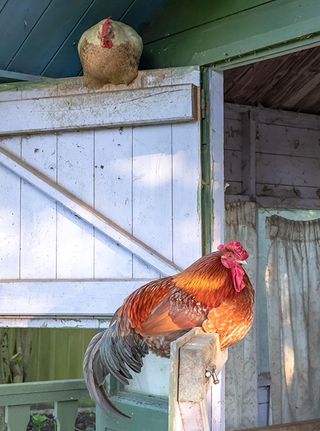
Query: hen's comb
{"type": "Point", "coordinates": [236, 248]}
{"type": "Point", "coordinates": [105, 27]}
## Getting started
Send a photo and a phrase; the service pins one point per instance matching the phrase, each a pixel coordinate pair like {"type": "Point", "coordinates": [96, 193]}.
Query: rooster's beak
{"type": "Point", "coordinates": [242, 262]}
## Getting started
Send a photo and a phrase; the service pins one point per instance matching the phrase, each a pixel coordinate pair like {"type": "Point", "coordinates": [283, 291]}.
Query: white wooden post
{"type": "Point", "coordinates": [195, 358]}
{"type": "Point", "coordinates": [216, 118]}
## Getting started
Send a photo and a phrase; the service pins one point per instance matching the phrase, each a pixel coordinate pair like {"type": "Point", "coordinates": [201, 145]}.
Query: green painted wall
{"type": "Point", "coordinates": [58, 353]}
{"type": "Point", "coordinates": [29, 354]}
{"type": "Point", "coordinates": [229, 32]}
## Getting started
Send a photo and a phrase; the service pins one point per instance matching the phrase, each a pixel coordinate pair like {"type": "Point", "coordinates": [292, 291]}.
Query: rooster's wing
{"type": "Point", "coordinates": [178, 311]}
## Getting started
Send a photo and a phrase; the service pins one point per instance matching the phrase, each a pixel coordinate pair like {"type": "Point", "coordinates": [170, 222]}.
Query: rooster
{"type": "Point", "coordinates": [214, 293]}
{"type": "Point", "coordinates": [109, 52]}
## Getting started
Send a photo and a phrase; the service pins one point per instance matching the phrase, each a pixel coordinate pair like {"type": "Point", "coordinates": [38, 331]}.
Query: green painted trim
{"type": "Point", "coordinates": [147, 413]}
{"type": "Point", "coordinates": [38, 392]}
{"type": "Point", "coordinates": [206, 199]}
{"type": "Point", "coordinates": [307, 42]}
{"type": "Point", "coordinates": [268, 29]}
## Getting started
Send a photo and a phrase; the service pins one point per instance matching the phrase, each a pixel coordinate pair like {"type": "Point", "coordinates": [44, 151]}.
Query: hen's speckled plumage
{"type": "Point", "coordinates": [109, 52]}
{"type": "Point", "coordinates": [214, 292]}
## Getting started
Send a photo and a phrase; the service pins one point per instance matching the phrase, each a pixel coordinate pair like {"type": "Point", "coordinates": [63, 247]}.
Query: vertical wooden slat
{"type": "Point", "coordinates": [75, 240]}
{"type": "Point", "coordinates": [152, 192]}
{"type": "Point", "coordinates": [38, 212]}
{"type": "Point", "coordinates": [186, 187]}
{"type": "Point", "coordinates": [87, 213]}
{"type": "Point", "coordinates": [217, 154]}
{"type": "Point", "coordinates": [17, 417]}
{"type": "Point", "coordinates": [249, 153]}
{"type": "Point", "coordinates": [66, 413]}
{"type": "Point", "coordinates": [113, 197]}
{"type": "Point", "coordinates": [10, 215]}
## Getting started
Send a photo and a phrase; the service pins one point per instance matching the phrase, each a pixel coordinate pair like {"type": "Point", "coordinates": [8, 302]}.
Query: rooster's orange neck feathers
{"type": "Point", "coordinates": [207, 280]}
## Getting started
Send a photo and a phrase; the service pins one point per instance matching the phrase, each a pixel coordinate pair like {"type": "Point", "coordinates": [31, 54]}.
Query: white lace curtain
{"type": "Point", "coordinates": [293, 292]}
{"type": "Point", "coordinates": [241, 368]}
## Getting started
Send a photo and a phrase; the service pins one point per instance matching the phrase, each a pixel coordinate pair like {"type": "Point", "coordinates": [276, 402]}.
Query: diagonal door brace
{"type": "Point", "coordinates": [87, 213]}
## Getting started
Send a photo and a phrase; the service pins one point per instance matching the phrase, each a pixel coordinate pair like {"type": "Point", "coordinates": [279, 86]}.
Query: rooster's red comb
{"type": "Point", "coordinates": [236, 248]}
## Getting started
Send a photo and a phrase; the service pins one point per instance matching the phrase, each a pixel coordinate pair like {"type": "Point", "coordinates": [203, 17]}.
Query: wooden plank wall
{"type": "Point", "coordinates": [272, 156]}
{"type": "Point", "coordinates": [144, 178]}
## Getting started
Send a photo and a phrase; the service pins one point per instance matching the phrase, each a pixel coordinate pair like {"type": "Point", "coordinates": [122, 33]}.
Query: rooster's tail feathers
{"type": "Point", "coordinates": [121, 352]}
{"type": "Point", "coordinates": [111, 352]}
{"type": "Point", "coordinates": [94, 375]}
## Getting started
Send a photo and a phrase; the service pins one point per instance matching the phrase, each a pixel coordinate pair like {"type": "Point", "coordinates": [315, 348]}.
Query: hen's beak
{"type": "Point", "coordinates": [242, 262]}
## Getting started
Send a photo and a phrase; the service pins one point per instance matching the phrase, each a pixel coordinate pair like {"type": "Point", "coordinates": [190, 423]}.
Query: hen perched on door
{"type": "Point", "coordinates": [109, 52]}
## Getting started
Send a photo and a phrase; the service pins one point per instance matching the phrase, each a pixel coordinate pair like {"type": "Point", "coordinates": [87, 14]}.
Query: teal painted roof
{"type": "Point", "coordinates": [40, 37]}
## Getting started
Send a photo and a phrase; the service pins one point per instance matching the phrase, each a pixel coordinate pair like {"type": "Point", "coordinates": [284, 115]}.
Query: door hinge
{"type": "Point", "coordinates": [203, 103]}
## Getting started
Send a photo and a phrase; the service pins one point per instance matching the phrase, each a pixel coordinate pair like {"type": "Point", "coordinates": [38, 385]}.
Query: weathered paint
{"type": "Point", "coordinates": [96, 110]}
{"type": "Point", "coordinates": [145, 180]}
{"type": "Point", "coordinates": [194, 353]}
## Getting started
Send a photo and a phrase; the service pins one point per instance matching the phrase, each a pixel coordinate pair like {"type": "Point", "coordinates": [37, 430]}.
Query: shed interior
{"type": "Point", "coordinates": [272, 158]}
{"type": "Point", "coordinates": [272, 131]}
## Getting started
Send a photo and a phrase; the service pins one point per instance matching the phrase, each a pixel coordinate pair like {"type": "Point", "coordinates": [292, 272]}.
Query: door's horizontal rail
{"type": "Point", "coordinates": [167, 104]}
{"type": "Point", "coordinates": [53, 322]}
{"type": "Point", "coordinates": [64, 299]}
{"type": "Point", "coordinates": [87, 213]}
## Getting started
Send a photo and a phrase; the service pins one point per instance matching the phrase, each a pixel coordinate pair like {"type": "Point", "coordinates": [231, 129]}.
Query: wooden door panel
{"type": "Point", "coordinates": [104, 202]}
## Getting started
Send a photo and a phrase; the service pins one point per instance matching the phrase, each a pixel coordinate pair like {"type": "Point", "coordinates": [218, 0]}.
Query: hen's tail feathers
{"type": "Point", "coordinates": [109, 352]}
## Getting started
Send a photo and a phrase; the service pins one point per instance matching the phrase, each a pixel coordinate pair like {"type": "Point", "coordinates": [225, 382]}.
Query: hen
{"type": "Point", "coordinates": [214, 293]}
{"type": "Point", "coordinates": [109, 53]}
